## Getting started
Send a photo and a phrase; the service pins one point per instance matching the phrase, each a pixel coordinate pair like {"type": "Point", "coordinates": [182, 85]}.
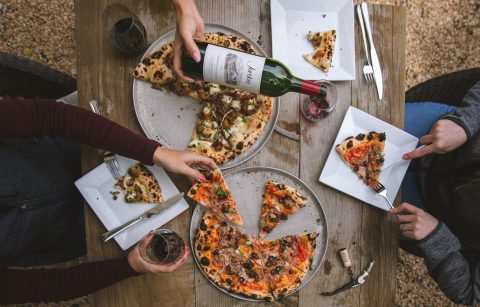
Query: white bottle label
{"type": "Point", "coordinates": [233, 68]}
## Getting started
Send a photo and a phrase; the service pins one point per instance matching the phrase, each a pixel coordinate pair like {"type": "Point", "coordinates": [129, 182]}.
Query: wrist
{"type": "Point", "coordinates": [158, 155]}
{"type": "Point", "coordinates": [182, 4]}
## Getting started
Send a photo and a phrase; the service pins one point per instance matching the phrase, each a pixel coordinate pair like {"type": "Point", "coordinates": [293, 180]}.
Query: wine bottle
{"type": "Point", "coordinates": [247, 72]}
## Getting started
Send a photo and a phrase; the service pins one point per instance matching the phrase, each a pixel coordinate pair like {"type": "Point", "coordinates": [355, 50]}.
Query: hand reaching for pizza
{"type": "Point", "coordinates": [416, 224]}
{"type": "Point", "coordinates": [444, 136]}
{"type": "Point", "coordinates": [181, 162]}
{"type": "Point", "coordinates": [189, 25]}
{"type": "Point", "coordinates": [141, 266]}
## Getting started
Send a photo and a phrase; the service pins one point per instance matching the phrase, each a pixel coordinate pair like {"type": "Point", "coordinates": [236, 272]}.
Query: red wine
{"type": "Point", "coordinates": [129, 35]}
{"type": "Point", "coordinates": [166, 248]}
{"type": "Point", "coordinates": [246, 71]}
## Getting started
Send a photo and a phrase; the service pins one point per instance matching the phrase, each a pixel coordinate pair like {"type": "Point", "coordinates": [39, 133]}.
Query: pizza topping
{"type": "Point", "coordinates": [349, 144]}
{"type": "Point", "coordinates": [360, 136]}
{"type": "Point", "coordinates": [204, 261]}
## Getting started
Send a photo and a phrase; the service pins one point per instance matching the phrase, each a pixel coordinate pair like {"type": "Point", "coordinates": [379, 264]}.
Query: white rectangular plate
{"type": "Point", "coordinates": [291, 22]}
{"type": "Point", "coordinates": [338, 175]}
{"type": "Point", "coordinates": [96, 186]}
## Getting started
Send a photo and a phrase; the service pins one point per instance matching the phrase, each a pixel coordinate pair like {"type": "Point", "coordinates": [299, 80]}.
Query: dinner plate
{"type": "Point", "coordinates": [338, 175]}
{"type": "Point", "coordinates": [291, 22]}
{"type": "Point", "coordinates": [170, 119]}
{"type": "Point", "coordinates": [96, 187]}
{"type": "Point", "coordinates": [247, 186]}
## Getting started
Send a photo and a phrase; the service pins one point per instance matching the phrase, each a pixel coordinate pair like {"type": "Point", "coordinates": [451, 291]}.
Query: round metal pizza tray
{"type": "Point", "coordinates": [247, 186]}
{"type": "Point", "coordinates": [170, 119]}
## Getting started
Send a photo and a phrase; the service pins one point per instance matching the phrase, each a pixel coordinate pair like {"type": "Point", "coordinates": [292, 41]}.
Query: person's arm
{"type": "Point", "coordinates": [459, 280]}
{"type": "Point", "coordinates": [20, 286]}
{"type": "Point", "coordinates": [453, 129]}
{"type": "Point", "coordinates": [189, 25]}
{"type": "Point", "coordinates": [467, 115]}
{"type": "Point", "coordinates": [44, 117]}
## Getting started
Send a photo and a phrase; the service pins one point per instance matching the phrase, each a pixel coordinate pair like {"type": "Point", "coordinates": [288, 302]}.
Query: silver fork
{"type": "Point", "coordinates": [382, 191]}
{"type": "Point", "coordinates": [367, 68]}
{"type": "Point", "coordinates": [109, 158]}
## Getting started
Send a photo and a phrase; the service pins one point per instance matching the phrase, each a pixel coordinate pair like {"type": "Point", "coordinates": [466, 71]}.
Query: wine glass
{"type": "Point", "coordinates": [127, 31]}
{"type": "Point", "coordinates": [163, 247]}
{"type": "Point", "coordinates": [314, 108]}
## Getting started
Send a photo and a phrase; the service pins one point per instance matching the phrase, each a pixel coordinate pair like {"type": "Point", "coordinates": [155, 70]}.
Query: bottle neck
{"type": "Point", "coordinates": [308, 87]}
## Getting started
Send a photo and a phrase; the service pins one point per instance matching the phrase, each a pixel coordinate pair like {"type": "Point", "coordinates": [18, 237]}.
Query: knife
{"type": "Point", "coordinates": [377, 72]}
{"type": "Point", "coordinates": [145, 216]}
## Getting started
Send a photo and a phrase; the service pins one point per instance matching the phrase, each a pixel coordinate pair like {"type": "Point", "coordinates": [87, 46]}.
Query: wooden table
{"type": "Point", "coordinates": [106, 75]}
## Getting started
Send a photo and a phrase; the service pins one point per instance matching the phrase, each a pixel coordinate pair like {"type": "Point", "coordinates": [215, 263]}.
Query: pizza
{"type": "Point", "coordinates": [324, 45]}
{"type": "Point", "coordinates": [216, 196]}
{"type": "Point", "coordinates": [140, 186]}
{"type": "Point", "coordinates": [364, 154]}
{"type": "Point", "coordinates": [279, 202]}
{"type": "Point", "coordinates": [231, 120]}
{"type": "Point", "coordinates": [240, 264]}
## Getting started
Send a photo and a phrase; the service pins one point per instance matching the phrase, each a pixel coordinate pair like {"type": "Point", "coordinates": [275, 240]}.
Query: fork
{"type": "Point", "coordinates": [381, 190]}
{"type": "Point", "coordinates": [108, 157]}
{"type": "Point", "coordinates": [367, 68]}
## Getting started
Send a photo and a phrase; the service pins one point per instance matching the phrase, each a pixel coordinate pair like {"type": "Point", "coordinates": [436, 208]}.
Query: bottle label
{"type": "Point", "coordinates": [233, 68]}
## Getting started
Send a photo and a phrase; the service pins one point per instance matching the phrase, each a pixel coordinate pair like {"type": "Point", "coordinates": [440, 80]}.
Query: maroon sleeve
{"type": "Point", "coordinates": [47, 285]}
{"type": "Point", "coordinates": [42, 117]}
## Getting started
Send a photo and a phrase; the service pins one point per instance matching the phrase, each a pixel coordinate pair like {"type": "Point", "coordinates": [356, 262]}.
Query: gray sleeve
{"type": "Point", "coordinates": [458, 279]}
{"type": "Point", "coordinates": [467, 115]}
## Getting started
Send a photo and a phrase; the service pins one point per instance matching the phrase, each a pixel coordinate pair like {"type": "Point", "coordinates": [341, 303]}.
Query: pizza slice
{"type": "Point", "coordinates": [140, 185]}
{"type": "Point", "coordinates": [324, 45]}
{"type": "Point", "coordinates": [299, 250]}
{"type": "Point", "coordinates": [364, 154]}
{"type": "Point", "coordinates": [279, 202]}
{"type": "Point", "coordinates": [283, 278]}
{"type": "Point", "coordinates": [216, 196]}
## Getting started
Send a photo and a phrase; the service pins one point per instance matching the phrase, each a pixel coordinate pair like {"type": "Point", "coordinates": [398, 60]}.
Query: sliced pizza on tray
{"type": "Point", "coordinates": [140, 186]}
{"type": "Point", "coordinates": [364, 154]}
{"type": "Point", "coordinates": [216, 196]}
{"type": "Point", "coordinates": [279, 202]}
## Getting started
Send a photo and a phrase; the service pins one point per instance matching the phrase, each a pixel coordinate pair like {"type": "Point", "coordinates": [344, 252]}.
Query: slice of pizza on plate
{"type": "Point", "coordinates": [324, 45]}
{"type": "Point", "coordinates": [279, 202]}
{"type": "Point", "coordinates": [140, 185]}
{"type": "Point", "coordinates": [364, 154]}
{"type": "Point", "coordinates": [215, 195]}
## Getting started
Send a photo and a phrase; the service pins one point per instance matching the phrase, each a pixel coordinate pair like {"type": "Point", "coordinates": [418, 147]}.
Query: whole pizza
{"type": "Point", "coordinates": [231, 120]}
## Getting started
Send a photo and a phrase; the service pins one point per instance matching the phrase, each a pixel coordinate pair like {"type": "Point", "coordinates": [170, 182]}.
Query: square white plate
{"type": "Point", "coordinates": [292, 19]}
{"type": "Point", "coordinates": [338, 175]}
{"type": "Point", "coordinates": [96, 186]}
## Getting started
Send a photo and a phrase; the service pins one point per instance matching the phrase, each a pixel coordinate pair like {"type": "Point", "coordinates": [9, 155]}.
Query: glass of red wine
{"type": "Point", "coordinates": [314, 108]}
{"type": "Point", "coordinates": [163, 247]}
{"type": "Point", "coordinates": [127, 32]}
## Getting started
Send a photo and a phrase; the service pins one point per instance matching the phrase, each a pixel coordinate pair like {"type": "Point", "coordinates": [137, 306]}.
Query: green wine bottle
{"type": "Point", "coordinates": [247, 72]}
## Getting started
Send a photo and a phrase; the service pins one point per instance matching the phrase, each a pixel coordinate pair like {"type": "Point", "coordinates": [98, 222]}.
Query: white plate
{"type": "Point", "coordinates": [170, 119]}
{"type": "Point", "coordinates": [291, 21]}
{"type": "Point", "coordinates": [338, 175]}
{"type": "Point", "coordinates": [96, 186]}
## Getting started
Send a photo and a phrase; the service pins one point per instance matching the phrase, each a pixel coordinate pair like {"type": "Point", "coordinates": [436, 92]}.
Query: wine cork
{"type": "Point", "coordinates": [345, 257]}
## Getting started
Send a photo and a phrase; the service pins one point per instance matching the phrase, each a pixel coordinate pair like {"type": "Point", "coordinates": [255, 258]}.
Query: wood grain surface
{"type": "Point", "coordinates": [105, 75]}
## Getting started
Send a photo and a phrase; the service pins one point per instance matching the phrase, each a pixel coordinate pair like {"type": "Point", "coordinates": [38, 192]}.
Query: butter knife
{"type": "Point", "coordinates": [145, 216]}
{"type": "Point", "coordinates": [377, 71]}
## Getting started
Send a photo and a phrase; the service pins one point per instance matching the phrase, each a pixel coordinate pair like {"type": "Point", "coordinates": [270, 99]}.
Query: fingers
{"type": "Point", "coordinates": [407, 227]}
{"type": "Point", "coordinates": [205, 161]}
{"type": "Point", "coordinates": [200, 28]}
{"type": "Point", "coordinates": [427, 139]}
{"type": "Point", "coordinates": [405, 207]}
{"type": "Point", "coordinates": [409, 218]}
{"type": "Point", "coordinates": [193, 173]}
{"type": "Point", "coordinates": [420, 152]}
{"type": "Point", "coordinates": [177, 61]}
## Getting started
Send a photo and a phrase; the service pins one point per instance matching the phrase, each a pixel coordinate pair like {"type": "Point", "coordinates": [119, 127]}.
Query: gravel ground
{"type": "Point", "coordinates": [442, 37]}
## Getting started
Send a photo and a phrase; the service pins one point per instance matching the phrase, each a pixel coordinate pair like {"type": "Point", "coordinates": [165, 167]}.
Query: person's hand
{"type": "Point", "coordinates": [189, 25]}
{"type": "Point", "coordinates": [444, 136]}
{"type": "Point", "coordinates": [181, 162]}
{"type": "Point", "coordinates": [417, 224]}
{"type": "Point", "coordinates": [141, 266]}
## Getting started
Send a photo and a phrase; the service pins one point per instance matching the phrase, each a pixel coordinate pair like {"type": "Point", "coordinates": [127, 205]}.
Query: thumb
{"type": "Point", "coordinates": [191, 47]}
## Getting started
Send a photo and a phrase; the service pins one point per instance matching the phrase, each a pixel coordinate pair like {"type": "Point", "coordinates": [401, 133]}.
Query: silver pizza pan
{"type": "Point", "coordinates": [247, 186]}
{"type": "Point", "coordinates": [170, 119]}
